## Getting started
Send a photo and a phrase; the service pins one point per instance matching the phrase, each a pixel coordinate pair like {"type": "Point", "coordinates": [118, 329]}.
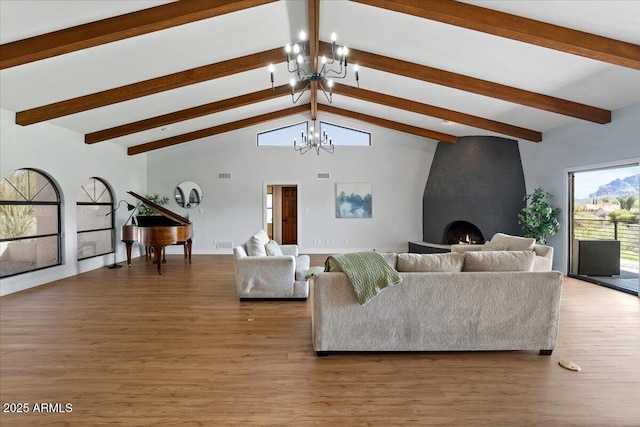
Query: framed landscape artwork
{"type": "Point", "coordinates": [353, 200]}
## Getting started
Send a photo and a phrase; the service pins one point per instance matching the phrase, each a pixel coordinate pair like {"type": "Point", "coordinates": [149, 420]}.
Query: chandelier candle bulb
{"type": "Point", "coordinates": [313, 140]}
{"type": "Point", "coordinates": [271, 70]}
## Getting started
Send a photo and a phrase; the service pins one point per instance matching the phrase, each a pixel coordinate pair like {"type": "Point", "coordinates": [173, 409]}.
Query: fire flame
{"type": "Point", "coordinates": [466, 240]}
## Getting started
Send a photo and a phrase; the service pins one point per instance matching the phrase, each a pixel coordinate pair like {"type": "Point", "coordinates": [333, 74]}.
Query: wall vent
{"type": "Point", "coordinates": [223, 244]}
{"type": "Point", "coordinates": [224, 175]}
{"type": "Point", "coordinates": [323, 175]}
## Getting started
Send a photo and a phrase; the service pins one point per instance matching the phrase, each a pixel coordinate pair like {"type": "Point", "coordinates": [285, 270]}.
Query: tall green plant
{"type": "Point", "coordinates": [538, 219]}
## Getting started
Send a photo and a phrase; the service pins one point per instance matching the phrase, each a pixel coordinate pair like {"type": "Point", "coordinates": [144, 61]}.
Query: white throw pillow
{"type": "Point", "coordinates": [273, 248]}
{"type": "Point", "coordinates": [498, 261]}
{"type": "Point", "coordinates": [415, 263]}
{"type": "Point", "coordinates": [255, 245]}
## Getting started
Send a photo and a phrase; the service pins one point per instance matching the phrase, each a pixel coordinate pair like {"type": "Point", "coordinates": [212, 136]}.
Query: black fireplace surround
{"type": "Point", "coordinates": [475, 189]}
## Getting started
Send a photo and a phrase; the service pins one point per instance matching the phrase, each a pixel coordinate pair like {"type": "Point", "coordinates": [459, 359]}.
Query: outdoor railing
{"type": "Point", "coordinates": [601, 229]}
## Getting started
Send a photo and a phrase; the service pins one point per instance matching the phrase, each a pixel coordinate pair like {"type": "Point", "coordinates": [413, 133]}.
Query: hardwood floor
{"type": "Point", "coordinates": [129, 347]}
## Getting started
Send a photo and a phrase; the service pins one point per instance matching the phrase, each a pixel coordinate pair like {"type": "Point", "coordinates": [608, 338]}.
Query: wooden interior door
{"type": "Point", "coordinates": [289, 215]}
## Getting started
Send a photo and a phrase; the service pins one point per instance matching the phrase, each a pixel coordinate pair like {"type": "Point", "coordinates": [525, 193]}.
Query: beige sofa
{"type": "Point", "coordinates": [440, 311]}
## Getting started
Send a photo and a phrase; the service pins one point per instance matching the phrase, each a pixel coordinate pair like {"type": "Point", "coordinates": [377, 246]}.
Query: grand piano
{"type": "Point", "coordinates": [158, 232]}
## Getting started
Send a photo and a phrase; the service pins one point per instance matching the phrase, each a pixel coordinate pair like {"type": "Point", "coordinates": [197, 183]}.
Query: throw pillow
{"type": "Point", "coordinates": [514, 243]}
{"type": "Point", "coordinates": [498, 261]}
{"type": "Point", "coordinates": [490, 246]}
{"type": "Point", "coordinates": [415, 263]}
{"type": "Point", "coordinates": [390, 257]}
{"type": "Point", "coordinates": [273, 248]}
{"type": "Point", "coordinates": [255, 245]}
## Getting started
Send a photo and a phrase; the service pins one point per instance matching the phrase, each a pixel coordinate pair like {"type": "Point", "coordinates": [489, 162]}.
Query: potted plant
{"type": "Point", "coordinates": [155, 198]}
{"type": "Point", "coordinates": [538, 219]}
{"type": "Point", "coordinates": [147, 216]}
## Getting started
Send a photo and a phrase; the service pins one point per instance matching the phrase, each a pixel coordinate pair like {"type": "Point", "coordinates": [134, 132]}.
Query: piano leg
{"type": "Point", "coordinates": [128, 244]}
{"type": "Point", "coordinates": [188, 249]}
{"type": "Point", "coordinates": [157, 251]}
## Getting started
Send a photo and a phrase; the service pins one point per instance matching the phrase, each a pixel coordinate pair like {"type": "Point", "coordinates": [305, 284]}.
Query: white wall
{"type": "Point", "coordinates": [545, 164]}
{"type": "Point", "coordinates": [397, 165]}
{"type": "Point", "coordinates": [63, 156]}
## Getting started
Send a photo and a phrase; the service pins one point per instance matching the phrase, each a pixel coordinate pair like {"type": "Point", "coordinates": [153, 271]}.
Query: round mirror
{"type": "Point", "coordinates": [188, 194]}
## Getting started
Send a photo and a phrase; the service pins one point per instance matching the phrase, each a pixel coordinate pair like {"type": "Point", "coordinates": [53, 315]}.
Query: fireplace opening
{"type": "Point", "coordinates": [462, 232]}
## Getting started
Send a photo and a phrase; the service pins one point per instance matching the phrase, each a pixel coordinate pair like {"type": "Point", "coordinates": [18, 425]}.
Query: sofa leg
{"type": "Point", "coordinates": [546, 352]}
{"type": "Point", "coordinates": [322, 353]}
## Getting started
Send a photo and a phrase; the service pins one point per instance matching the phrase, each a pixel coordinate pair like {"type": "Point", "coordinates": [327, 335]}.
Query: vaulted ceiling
{"type": "Point", "coordinates": [150, 74]}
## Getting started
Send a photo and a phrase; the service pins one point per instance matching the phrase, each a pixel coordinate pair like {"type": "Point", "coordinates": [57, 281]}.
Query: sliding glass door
{"type": "Point", "coordinates": [603, 232]}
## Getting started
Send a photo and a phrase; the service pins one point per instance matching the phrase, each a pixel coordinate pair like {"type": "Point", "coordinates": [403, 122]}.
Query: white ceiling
{"type": "Point", "coordinates": [359, 26]}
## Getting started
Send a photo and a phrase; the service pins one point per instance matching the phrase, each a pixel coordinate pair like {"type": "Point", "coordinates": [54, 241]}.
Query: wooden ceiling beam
{"type": "Point", "coordinates": [148, 87]}
{"type": "Point", "coordinates": [518, 28]}
{"type": "Point", "coordinates": [478, 86]}
{"type": "Point", "coordinates": [442, 113]}
{"type": "Point", "coordinates": [186, 114]}
{"type": "Point", "coordinates": [117, 28]}
{"type": "Point", "coordinates": [314, 47]}
{"type": "Point", "coordinates": [216, 130]}
{"type": "Point", "coordinates": [389, 124]}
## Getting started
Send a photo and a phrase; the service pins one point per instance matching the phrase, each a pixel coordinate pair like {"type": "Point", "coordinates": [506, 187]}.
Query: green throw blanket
{"type": "Point", "coordinates": [368, 273]}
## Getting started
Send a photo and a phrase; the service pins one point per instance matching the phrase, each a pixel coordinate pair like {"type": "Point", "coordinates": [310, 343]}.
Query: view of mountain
{"type": "Point", "coordinates": [618, 187]}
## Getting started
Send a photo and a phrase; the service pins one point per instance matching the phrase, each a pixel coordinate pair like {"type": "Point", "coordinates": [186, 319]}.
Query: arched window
{"type": "Point", "coordinates": [95, 225]}
{"type": "Point", "coordinates": [30, 233]}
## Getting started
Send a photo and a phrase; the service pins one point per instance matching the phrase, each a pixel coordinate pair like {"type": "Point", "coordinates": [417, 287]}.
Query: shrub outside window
{"type": "Point", "coordinates": [30, 230]}
{"type": "Point", "coordinates": [95, 225]}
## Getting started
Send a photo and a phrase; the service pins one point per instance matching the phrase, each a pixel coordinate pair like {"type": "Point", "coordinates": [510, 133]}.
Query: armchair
{"type": "Point", "coordinates": [271, 277]}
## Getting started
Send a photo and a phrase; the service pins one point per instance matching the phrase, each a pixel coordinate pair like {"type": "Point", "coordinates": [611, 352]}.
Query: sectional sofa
{"type": "Point", "coordinates": [474, 301]}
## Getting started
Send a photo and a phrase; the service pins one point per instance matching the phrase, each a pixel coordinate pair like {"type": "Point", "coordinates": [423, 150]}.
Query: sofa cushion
{"type": "Point", "coordinates": [414, 263]}
{"type": "Point", "coordinates": [273, 248]}
{"type": "Point", "coordinates": [513, 243]}
{"type": "Point", "coordinates": [255, 245]}
{"type": "Point", "coordinates": [498, 261]}
{"type": "Point", "coordinates": [302, 267]}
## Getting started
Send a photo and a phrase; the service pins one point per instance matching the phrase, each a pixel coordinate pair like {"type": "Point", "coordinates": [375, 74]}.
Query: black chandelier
{"type": "Point", "coordinates": [299, 63]}
{"type": "Point", "coordinates": [314, 140]}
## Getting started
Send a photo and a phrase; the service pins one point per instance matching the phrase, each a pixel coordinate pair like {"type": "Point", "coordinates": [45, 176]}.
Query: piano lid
{"type": "Point", "coordinates": [161, 210]}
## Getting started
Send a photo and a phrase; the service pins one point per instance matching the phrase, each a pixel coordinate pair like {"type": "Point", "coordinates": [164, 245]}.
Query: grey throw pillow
{"type": "Point", "coordinates": [414, 263]}
{"type": "Point", "coordinates": [490, 246]}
